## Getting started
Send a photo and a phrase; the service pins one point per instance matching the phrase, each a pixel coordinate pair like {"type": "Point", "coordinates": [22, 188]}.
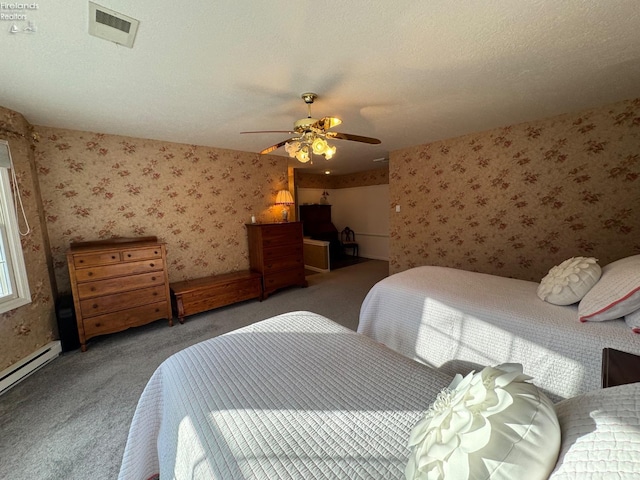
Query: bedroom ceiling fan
{"type": "Point", "coordinates": [311, 136]}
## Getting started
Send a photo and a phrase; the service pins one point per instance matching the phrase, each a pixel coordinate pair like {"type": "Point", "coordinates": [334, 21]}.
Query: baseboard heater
{"type": "Point", "coordinates": [25, 367]}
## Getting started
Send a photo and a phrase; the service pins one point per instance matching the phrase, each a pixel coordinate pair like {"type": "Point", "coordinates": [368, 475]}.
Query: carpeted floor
{"type": "Point", "coordinates": [70, 419]}
{"type": "Point", "coordinates": [341, 262]}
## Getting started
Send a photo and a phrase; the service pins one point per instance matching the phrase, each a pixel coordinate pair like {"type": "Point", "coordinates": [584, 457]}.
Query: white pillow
{"type": "Point", "coordinates": [568, 282]}
{"type": "Point", "coordinates": [616, 294]}
{"type": "Point", "coordinates": [600, 435]}
{"type": "Point", "coordinates": [492, 424]}
{"type": "Point", "coordinates": [633, 321]}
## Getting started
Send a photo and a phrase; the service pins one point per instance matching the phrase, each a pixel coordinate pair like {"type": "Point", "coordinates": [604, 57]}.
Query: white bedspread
{"type": "Point", "coordinates": [458, 320]}
{"type": "Point", "coordinates": [295, 396]}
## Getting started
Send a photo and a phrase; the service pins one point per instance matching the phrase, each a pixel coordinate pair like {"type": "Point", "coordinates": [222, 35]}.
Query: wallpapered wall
{"type": "Point", "coordinates": [517, 200]}
{"type": "Point", "coordinates": [25, 329]}
{"type": "Point", "coordinates": [378, 176]}
{"type": "Point", "coordinates": [196, 199]}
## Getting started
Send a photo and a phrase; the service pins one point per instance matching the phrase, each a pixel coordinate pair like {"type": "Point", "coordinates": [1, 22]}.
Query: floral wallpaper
{"type": "Point", "coordinates": [378, 176]}
{"type": "Point", "coordinates": [518, 200]}
{"type": "Point", "coordinates": [25, 329]}
{"type": "Point", "coordinates": [196, 199]}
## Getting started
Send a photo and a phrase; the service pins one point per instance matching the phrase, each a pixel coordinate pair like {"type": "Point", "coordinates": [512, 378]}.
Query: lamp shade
{"type": "Point", "coordinates": [284, 198]}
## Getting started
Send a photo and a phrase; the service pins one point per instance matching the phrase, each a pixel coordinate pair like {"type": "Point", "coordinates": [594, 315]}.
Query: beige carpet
{"type": "Point", "coordinates": [70, 419]}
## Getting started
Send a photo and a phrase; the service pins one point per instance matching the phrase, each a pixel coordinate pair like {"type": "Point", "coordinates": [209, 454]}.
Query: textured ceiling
{"type": "Point", "coordinates": [406, 72]}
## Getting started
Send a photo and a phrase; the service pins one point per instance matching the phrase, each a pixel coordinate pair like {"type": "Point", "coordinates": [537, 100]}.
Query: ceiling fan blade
{"type": "Point", "coordinates": [355, 138]}
{"type": "Point", "coordinates": [270, 131]}
{"type": "Point", "coordinates": [274, 147]}
{"type": "Point", "coordinates": [326, 123]}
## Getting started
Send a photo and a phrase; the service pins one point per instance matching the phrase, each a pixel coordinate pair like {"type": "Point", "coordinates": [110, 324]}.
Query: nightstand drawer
{"type": "Point", "coordinates": [111, 303]}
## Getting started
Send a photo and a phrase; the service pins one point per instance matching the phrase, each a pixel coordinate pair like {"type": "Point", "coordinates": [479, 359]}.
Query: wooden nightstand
{"type": "Point", "coordinates": [619, 368]}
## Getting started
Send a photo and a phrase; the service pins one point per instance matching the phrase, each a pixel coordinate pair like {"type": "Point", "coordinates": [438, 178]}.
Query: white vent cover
{"type": "Point", "coordinates": [111, 25]}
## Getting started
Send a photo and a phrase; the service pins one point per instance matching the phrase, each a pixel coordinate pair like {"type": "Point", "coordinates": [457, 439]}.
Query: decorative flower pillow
{"type": "Point", "coordinates": [568, 282]}
{"type": "Point", "coordinates": [492, 424]}
{"type": "Point", "coordinates": [616, 294]}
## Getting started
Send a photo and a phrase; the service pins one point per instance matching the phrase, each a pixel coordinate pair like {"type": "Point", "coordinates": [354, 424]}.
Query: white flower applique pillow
{"type": "Point", "coordinates": [568, 282]}
{"type": "Point", "coordinates": [493, 424]}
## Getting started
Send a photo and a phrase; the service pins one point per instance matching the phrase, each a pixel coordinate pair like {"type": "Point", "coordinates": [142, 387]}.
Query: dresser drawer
{"type": "Point", "coordinates": [118, 321]}
{"type": "Point", "coordinates": [111, 303]}
{"type": "Point", "coordinates": [122, 269]}
{"type": "Point", "coordinates": [141, 254]}
{"type": "Point", "coordinates": [281, 235]}
{"type": "Point", "coordinates": [92, 259]}
{"type": "Point", "coordinates": [279, 251]}
{"type": "Point", "coordinates": [273, 281]}
{"type": "Point", "coordinates": [284, 263]}
{"type": "Point", "coordinates": [116, 285]}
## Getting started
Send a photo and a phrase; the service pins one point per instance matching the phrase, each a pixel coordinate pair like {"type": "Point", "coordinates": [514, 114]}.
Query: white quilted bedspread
{"type": "Point", "coordinates": [600, 435]}
{"type": "Point", "coordinates": [294, 396]}
{"type": "Point", "coordinates": [458, 321]}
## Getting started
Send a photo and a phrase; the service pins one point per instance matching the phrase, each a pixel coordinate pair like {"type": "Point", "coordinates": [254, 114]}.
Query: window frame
{"type": "Point", "coordinates": [9, 232]}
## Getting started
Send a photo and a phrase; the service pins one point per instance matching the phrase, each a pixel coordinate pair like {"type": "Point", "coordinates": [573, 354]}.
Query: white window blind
{"type": "Point", "coordinates": [14, 285]}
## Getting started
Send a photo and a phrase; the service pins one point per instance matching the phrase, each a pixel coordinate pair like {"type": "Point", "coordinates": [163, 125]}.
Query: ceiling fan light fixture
{"type": "Point", "coordinates": [319, 146]}
{"type": "Point", "coordinates": [303, 154]}
{"type": "Point", "coordinates": [291, 148]}
{"type": "Point", "coordinates": [311, 136]}
{"type": "Point", "coordinates": [329, 152]}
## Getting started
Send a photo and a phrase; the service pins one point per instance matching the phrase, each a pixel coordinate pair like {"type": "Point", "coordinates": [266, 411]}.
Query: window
{"type": "Point", "coordinates": [14, 286]}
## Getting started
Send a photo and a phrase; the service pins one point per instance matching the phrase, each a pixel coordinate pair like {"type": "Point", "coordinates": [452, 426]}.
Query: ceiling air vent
{"type": "Point", "coordinates": [112, 26]}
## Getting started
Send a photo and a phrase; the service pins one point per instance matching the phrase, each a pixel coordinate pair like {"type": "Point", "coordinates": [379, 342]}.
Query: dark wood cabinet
{"type": "Point", "coordinates": [275, 251]}
{"type": "Point", "coordinates": [315, 218]}
{"type": "Point", "coordinates": [316, 221]}
{"type": "Point", "coordinates": [619, 368]}
{"type": "Point", "coordinates": [117, 285]}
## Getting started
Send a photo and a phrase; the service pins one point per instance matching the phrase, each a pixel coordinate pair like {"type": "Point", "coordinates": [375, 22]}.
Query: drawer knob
{"type": "Point", "coordinates": [152, 264]}
{"type": "Point", "coordinates": [90, 274]}
{"type": "Point", "coordinates": [95, 305]}
{"type": "Point", "coordinates": [157, 310]}
{"type": "Point", "coordinates": [155, 294]}
{"type": "Point", "coordinates": [129, 255]}
{"type": "Point", "coordinates": [113, 257]}
{"type": "Point", "coordinates": [81, 261]}
{"type": "Point", "coordinates": [155, 252]}
{"type": "Point", "coordinates": [153, 278]}
{"type": "Point", "coordinates": [93, 289]}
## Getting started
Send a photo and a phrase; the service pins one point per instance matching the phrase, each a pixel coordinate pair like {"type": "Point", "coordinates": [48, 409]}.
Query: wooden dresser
{"type": "Point", "coordinates": [275, 251]}
{"type": "Point", "coordinates": [118, 284]}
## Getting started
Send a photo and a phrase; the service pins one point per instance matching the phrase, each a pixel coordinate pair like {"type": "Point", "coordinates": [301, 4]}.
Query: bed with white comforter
{"type": "Point", "coordinates": [298, 396]}
{"type": "Point", "coordinates": [457, 320]}
{"type": "Point", "coordinates": [295, 396]}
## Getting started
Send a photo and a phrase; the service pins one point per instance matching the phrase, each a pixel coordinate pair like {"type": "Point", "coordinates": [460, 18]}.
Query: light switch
{"type": "Point", "coordinates": [397, 208]}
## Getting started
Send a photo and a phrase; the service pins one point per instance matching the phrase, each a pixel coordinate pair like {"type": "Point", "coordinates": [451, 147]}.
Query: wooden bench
{"type": "Point", "coordinates": [201, 294]}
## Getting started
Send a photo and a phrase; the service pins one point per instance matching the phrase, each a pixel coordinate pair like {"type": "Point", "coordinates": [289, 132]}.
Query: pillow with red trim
{"type": "Point", "coordinates": [616, 294]}
{"type": "Point", "coordinates": [633, 321]}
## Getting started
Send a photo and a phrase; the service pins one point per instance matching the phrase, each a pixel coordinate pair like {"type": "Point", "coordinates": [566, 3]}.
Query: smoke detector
{"type": "Point", "coordinates": [113, 26]}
